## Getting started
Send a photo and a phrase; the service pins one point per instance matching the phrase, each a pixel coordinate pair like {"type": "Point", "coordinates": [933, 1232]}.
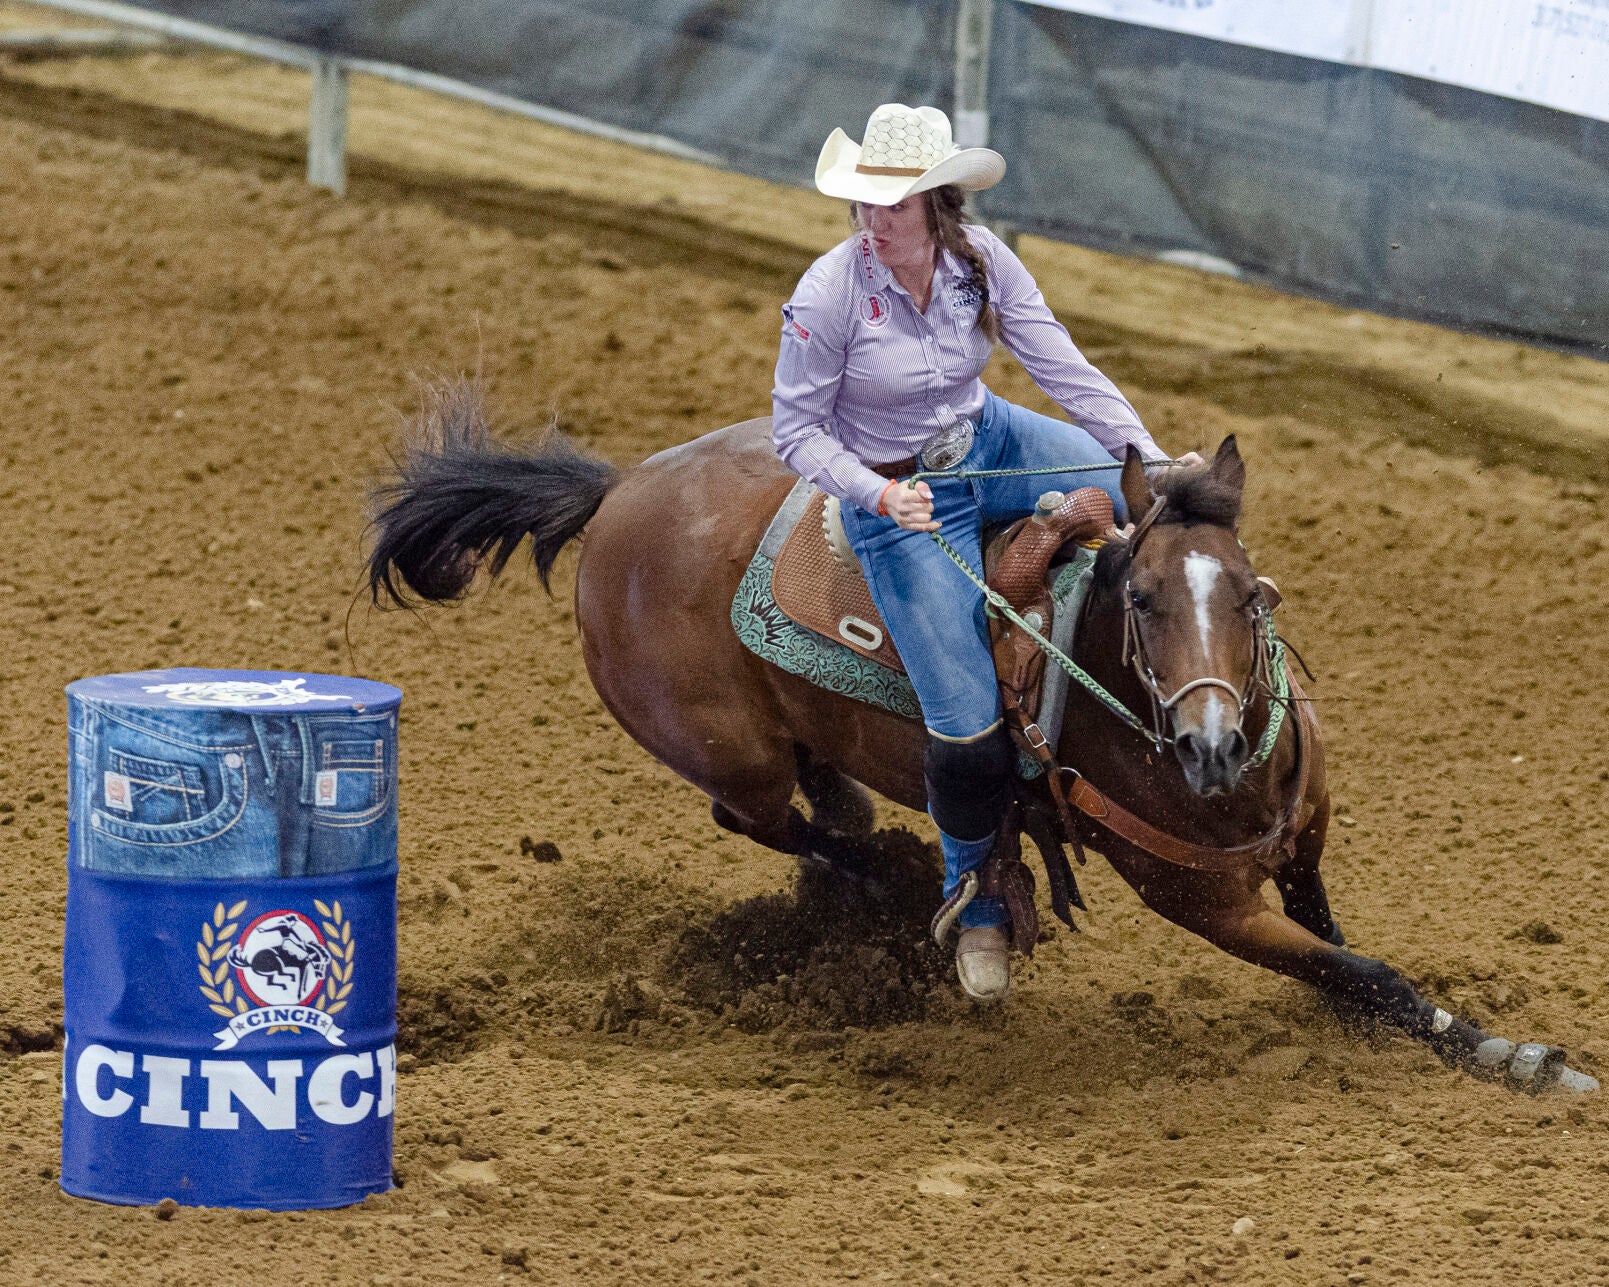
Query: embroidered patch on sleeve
{"type": "Point", "coordinates": [791, 327]}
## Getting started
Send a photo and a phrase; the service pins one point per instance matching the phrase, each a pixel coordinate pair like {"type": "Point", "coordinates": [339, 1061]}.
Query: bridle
{"type": "Point", "coordinates": [1136, 655]}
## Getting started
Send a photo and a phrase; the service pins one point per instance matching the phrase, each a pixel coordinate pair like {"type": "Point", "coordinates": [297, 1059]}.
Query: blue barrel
{"type": "Point", "coordinates": [230, 966]}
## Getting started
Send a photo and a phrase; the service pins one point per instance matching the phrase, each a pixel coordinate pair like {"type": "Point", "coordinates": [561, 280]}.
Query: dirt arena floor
{"type": "Point", "coordinates": [662, 1058]}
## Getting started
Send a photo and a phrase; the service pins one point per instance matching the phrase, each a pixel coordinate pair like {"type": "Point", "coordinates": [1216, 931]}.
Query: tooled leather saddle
{"type": "Point", "coordinates": [818, 583]}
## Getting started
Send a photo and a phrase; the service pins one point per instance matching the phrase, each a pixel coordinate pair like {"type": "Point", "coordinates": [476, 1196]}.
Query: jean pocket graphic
{"type": "Point", "coordinates": [148, 801]}
{"type": "Point", "coordinates": [353, 783]}
{"type": "Point", "coordinates": [154, 792]}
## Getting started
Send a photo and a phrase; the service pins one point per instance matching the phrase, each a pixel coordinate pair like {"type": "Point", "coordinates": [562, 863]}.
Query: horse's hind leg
{"type": "Point", "coordinates": [758, 805]}
{"type": "Point", "coordinates": [837, 802]}
{"type": "Point", "coordinates": [1301, 888]}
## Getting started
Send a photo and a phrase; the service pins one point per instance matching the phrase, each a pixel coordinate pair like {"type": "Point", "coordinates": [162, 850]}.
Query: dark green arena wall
{"type": "Point", "coordinates": [1366, 187]}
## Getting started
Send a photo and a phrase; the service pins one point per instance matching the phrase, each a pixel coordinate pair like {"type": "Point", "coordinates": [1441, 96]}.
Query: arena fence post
{"type": "Point", "coordinates": [974, 26]}
{"type": "Point", "coordinates": [974, 21]}
{"type": "Point", "coordinates": [326, 127]}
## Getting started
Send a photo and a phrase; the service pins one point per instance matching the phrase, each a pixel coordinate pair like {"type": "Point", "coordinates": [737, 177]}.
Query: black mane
{"type": "Point", "coordinates": [1198, 496]}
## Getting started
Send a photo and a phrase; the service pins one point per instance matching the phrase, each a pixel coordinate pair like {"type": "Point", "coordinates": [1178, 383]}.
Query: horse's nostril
{"type": "Point", "coordinates": [1237, 746]}
{"type": "Point", "coordinates": [1188, 746]}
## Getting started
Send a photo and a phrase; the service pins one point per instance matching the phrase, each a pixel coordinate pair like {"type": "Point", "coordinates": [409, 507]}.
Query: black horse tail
{"type": "Point", "coordinates": [458, 501]}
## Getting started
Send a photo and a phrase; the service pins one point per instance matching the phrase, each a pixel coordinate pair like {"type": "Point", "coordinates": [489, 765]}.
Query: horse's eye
{"type": "Point", "coordinates": [1140, 600]}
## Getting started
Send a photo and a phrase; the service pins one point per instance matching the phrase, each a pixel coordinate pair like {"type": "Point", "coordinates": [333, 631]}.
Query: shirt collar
{"type": "Point", "coordinates": [875, 275]}
{"type": "Point", "coordinates": [872, 272]}
{"type": "Point", "coordinates": [958, 269]}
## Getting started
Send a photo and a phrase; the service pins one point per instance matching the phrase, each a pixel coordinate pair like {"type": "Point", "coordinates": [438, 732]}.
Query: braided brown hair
{"type": "Point", "coordinates": [946, 208]}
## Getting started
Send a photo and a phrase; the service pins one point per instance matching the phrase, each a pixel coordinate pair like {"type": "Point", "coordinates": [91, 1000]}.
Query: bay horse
{"type": "Point", "coordinates": [1177, 612]}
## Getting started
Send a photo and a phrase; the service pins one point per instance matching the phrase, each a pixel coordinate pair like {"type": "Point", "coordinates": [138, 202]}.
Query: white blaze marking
{"type": "Point", "coordinates": [1201, 572]}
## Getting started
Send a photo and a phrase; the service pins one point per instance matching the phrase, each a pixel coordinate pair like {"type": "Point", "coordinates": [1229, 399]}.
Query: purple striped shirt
{"type": "Point", "coordinates": [863, 377]}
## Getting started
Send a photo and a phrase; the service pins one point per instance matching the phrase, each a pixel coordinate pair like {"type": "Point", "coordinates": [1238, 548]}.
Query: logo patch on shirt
{"type": "Point", "coordinates": [874, 311]}
{"type": "Point", "coordinates": [965, 295]}
{"type": "Point", "coordinates": [791, 327]}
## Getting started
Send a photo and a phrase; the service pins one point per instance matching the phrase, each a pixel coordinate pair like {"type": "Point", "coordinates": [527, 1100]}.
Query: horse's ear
{"type": "Point", "coordinates": [1227, 466]}
{"type": "Point", "coordinates": [1136, 486]}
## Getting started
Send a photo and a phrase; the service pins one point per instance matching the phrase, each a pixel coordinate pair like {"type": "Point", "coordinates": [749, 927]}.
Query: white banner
{"type": "Point", "coordinates": [1553, 52]}
{"type": "Point", "coordinates": [1314, 29]}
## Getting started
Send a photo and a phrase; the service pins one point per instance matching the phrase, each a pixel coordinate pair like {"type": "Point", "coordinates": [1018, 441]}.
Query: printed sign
{"type": "Point", "coordinates": [1552, 52]}
{"type": "Point", "coordinates": [230, 1043]}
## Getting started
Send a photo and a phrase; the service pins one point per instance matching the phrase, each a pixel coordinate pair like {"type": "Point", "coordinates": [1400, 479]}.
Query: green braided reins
{"type": "Point", "coordinates": [1280, 682]}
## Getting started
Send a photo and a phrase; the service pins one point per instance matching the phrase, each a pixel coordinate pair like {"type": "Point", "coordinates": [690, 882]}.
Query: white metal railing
{"type": "Point", "coordinates": [327, 109]}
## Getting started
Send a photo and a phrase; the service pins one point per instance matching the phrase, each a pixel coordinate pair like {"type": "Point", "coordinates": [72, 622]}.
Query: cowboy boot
{"type": "Point", "coordinates": [983, 963]}
{"type": "Point", "coordinates": [983, 950]}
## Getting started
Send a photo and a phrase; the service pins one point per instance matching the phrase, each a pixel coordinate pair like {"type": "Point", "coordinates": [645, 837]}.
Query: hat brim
{"type": "Point", "coordinates": [972, 168]}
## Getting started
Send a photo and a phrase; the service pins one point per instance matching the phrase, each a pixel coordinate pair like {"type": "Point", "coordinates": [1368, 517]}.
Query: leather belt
{"type": "Point", "coordinates": [945, 450]}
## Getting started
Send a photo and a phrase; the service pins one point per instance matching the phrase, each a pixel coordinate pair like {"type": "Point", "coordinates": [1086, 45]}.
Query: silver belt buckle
{"type": "Point", "coordinates": [947, 448]}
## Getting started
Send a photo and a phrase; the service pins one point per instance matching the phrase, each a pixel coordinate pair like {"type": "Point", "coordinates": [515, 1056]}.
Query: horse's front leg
{"type": "Point", "coordinates": [1301, 888]}
{"type": "Point", "coordinates": [1229, 912]}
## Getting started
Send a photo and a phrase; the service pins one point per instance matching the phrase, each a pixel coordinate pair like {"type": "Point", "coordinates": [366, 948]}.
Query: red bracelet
{"type": "Point", "coordinates": [881, 509]}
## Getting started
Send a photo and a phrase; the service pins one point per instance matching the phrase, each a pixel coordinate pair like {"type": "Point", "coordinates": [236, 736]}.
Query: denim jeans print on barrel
{"type": "Point", "coordinates": [231, 795]}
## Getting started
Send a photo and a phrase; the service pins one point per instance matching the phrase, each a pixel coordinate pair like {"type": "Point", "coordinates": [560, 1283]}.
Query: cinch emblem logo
{"type": "Point", "coordinates": [297, 972]}
{"type": "Point", "coordinates": [965, 295]}
{"type": "Point", "coordinates": [873, 311]}
{"type": "Point", "coordinates": [242, 692]}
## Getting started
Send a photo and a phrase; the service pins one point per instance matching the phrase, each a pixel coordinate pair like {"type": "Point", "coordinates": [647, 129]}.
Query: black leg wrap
{"type": "Point", "coordinates": [969, 783]}
{"type": "Point", "coordinates": [1380, 992]}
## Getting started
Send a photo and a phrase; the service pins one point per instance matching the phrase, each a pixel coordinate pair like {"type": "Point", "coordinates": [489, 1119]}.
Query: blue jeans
{"type": "Point", "coordinates": [230, 794]}
{"type": "Point", "coordinates": [933, 613]}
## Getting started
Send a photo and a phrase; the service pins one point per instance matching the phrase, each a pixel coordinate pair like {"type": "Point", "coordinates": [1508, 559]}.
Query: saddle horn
{"type": "Point", "coordinates": [1081, 515]}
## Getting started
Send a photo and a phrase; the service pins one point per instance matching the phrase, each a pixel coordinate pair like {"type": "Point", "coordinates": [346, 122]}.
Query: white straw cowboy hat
{"type": "Point", "coordinates": [906, 150]}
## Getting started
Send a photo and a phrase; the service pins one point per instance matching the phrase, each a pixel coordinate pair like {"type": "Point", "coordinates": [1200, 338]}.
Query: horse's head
{"type": "Point", "coordinates": [1194, 612]}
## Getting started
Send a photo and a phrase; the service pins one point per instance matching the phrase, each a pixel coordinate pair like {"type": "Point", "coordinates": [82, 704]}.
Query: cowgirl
{"type": "Point", "coordinates": [882, 346]}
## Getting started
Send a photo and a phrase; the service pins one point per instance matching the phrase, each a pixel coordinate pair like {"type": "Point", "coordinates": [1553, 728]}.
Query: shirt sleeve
{"type": "Point", "coordinates": [1030, 331]}
{"type": "Point", "coordinates": [810, 367]}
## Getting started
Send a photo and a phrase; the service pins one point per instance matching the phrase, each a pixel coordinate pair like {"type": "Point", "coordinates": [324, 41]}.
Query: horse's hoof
{"type": "Point", "coordinates": [850, 874]}
{"type": "Point", "coordinates": [1532, 1067]}
{"type": "Point", "coordinates": [1576, 1083]}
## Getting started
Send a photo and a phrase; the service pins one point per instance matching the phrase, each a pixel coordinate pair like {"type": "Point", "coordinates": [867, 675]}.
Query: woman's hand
{"type": "Point", "coordinates": [1190, 459]}
{"type": "Point", "coordinates": [910, 507]}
